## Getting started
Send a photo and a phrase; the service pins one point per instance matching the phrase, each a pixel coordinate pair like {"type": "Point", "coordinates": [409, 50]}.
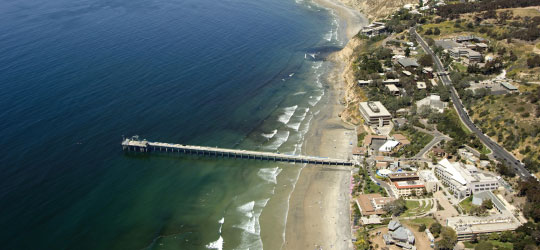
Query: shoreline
{"type": "Point", "coordinates": [319, 206]}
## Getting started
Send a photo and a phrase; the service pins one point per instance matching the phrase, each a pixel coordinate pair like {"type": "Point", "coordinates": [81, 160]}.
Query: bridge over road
{"type": "Point", "coordinates": [134, 144]}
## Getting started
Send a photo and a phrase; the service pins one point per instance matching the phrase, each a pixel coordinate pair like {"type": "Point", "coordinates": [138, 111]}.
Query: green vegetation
{"type": "Point", "coordinates": [448, 239]}
{"type": "Point", "coordinates": [361, 137]}
{"type": "Point", "coordinates": [418, 141]}
{"type": "Point", "coordinates": [396, 207]}
{"type": "Point", "coordinates": [489, 244]}
{"type": "Point", "coordinates": [415, 208]}
{"type": "Point", "coordinates": [366, 185]}
{"type": "Point", "coordinates": [466, 204]}
{"type": "Point", "coordinates": [435, 229]}
{"type": "Point", "coordinates": [362, 240]}
{"type": "Point", "coordinates": [513, 121]}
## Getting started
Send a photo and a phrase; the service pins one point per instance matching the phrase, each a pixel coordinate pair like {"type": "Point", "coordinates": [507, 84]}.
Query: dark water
{"type": "Point", "coordinates": [77, 75]}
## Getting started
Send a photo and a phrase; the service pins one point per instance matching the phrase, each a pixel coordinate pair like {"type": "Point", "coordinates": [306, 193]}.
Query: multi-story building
{"type": "Point", "coordinates": [430, 181]}
{"type": "Point", "coordinates": [375, 114]}
{"type": "Point", "coordinates": [408, 188]}
{"type": "Point", "coordinates": [467, 227]}
{"type": "Point", "coordinates": [464, 180]}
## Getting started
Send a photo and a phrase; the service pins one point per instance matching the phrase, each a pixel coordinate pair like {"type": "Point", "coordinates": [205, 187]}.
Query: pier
{"type": "Point", "coordinates": [134, 144]}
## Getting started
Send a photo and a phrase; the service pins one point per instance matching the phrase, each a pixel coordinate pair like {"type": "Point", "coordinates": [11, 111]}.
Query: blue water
{"type": "Point", "coordinates": [75, 76]}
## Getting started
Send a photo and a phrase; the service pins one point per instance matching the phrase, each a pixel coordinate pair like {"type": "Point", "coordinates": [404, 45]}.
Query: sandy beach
{"type": "Point", "coordinates": [319, 214]}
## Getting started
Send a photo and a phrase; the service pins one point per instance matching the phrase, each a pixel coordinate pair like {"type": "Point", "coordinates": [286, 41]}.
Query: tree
{"type": "Point", "coordinates": [407, 52]}
{"type": "Point", "coordinates": [426, 60]}
{"type": "Point", "coordinates": [396, 207]}
{"type": "Point", "coordinates": [533, 61]}
{"type": "Point", "coordinates": [422, 228]}
{"type": "Point", "coordinates": [429, 32]}
{"type": "Point", "coordinates": [488, 204]}
{"type": "Point", "coordinates": [436, 31]}
{"type": "Point", "coordinates": [448, 239]}
{"type": "Point", "coordinates": [435, 229]}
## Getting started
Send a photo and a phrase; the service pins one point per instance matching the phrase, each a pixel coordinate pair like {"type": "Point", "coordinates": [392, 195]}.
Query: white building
{"type": "Point", "coordinates": [464, 180]}
{"type": "Point", "coordinates": [375, 114]}
{"type": "Point", "coordinates": [434, 102]}
{"type": "Point", "coordinates": [430, 181]}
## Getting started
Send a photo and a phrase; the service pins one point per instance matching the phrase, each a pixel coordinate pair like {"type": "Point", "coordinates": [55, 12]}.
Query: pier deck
{"type": "Point", "coordinates": [136, 145]}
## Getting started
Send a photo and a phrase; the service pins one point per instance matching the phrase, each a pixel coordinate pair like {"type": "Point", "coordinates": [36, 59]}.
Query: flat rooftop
{"type": "Point", "coordinates": [382, 111]}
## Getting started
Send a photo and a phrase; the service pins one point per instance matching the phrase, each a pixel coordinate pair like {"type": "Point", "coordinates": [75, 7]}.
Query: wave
{"type": "Point", "coordinates": [247, 209]}
{"type": "Point", "coordinates": [314, 100]}
{"type": "Point", "coordinates": [218, 244]}
{"type": "Point", "coordinates": [296, 125]}
{"type": "Point", "coordinates": [270, 135]}
{"type": "Point", "coordinates": [252, 213]}
{"type": "Point", "coordinates": [317, 65]}
{"type": "Point", "coordinates": [269, 174]}
{"type": "Point", "coordinates": [280, 138]}
{"type": "Point", "coordinates": [299, 93]}
{"type": "Point", "coordinates": [286, 116]}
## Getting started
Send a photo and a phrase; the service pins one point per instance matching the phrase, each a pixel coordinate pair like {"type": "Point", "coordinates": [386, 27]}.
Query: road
{"type": "Point", "coordinates": [437, 137]}
{"type": "Point", "coordinates": [381, 183]}
{"type": "Point", "coordinates": [498, 152]}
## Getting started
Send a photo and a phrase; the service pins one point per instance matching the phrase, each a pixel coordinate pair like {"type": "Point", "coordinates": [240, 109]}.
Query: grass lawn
{"type": "Point", "coordinates": [495, 243]}
{"type": "Point", "coordinates": [467, 204]}
{"type": "Point", "coordinates": [416, 208]}
{"type": "Point", "coordinates": [426, 221]}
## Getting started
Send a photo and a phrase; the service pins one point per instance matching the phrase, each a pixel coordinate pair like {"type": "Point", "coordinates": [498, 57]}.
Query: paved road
{"type": "Point", "coordinates": [437, 137]}
{"type": "Point", "coordinates": [381, 183]}
{"type": "Point", "coordinates": [498, 152]}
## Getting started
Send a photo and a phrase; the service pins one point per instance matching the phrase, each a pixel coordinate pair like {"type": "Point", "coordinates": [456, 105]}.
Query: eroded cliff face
{"type": "Point", "coordinates": [352, 94]}
{"type": "Point", "coordinates": [375, 9]}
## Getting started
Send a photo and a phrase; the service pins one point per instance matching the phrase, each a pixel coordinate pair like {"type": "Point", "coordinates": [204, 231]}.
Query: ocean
{"type": "Point", "coordinates": [77, 76]}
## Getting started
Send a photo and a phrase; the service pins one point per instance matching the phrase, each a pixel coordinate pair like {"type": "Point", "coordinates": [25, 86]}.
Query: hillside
{"type": "Point", "coordinates": [375, 9]}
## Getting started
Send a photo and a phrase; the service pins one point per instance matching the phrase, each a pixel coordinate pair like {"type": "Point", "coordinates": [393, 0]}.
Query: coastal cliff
{"type": "Point", "coordinates": [352, 95]}
{"type": "Point", "coordinates": [375, 9]}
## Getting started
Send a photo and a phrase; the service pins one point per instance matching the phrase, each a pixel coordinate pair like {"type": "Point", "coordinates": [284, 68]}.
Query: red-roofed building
{"type": "Point", "coordinates": [408, 188]}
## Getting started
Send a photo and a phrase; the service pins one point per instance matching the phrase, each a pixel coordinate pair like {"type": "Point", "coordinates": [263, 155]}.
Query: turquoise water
{"type": "Point", "coordinates": [78, 75]}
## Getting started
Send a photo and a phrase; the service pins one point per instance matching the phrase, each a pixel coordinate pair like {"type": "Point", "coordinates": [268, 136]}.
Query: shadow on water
{"type": "Point", "coordinates": [321, 53]}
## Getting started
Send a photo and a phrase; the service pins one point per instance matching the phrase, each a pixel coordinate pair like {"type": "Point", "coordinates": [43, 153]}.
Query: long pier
{"type": "Point", "coordinates": [135, 145]}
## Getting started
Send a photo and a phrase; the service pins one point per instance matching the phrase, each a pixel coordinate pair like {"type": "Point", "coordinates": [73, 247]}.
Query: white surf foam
{"type": "Point", "coordinates": [247, 209]}
{"type": "Point", "coordinates": [280, 138]}
{"type": "Point", "coordinates": [218, 244]}
{"type": "Point", "coordinates": [317, 65]}
{"type": "Point", "coordinates": [288, 113]}
{"type": "Point", "coordinates": [269, 174]}
{"type": "Point", "coordinates": [314, 100]}
{"type": "Point", "coordinates": [270, 135]}
{"type": "Point", "coordinates": [299, 93]}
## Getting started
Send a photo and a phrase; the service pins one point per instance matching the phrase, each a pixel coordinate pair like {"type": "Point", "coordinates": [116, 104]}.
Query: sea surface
{"type": "Point", "coordinates": [77, 76]}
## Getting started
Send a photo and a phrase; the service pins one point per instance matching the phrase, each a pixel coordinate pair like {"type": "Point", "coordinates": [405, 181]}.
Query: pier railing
{"type": "Point", "coordinates": [143, 146]}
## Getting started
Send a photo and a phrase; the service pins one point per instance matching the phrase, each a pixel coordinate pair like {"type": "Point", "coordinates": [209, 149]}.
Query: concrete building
{"type": "Point", "coordinates": [370, 204]}
{"type": "Point", "coordinates": [374, 29]}
{"type": "Point", "coordinates": [393, 89]}
{"type": "Point", "coordinates": [408, 62]}
{"type": "Point", "coordinates": [509, 87]}
{"type": "Point", "coordinates": [431, 182]}
{"type": "Point", "coordinates": [408, 188]}
{"type": "Point", "coordinates": [467, 227]}
{"type": "Point", "coordinates": [403, 176]}
{"type": "Point", "coordinates": [375, 114]}
{"type": "Point", "coordinates": [421, 85]}
{"type": "Point", "coordinates": [364, 82]}
{"type": "Point", "coordinates": [464, 180]}
{"type": "Point", "coordinates": [434, 102]}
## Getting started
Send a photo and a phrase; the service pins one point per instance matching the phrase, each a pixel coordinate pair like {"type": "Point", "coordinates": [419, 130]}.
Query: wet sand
{"type": "Point", "coordinates": [319, 206]}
